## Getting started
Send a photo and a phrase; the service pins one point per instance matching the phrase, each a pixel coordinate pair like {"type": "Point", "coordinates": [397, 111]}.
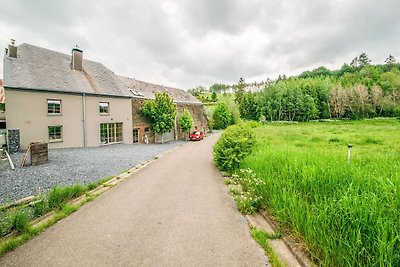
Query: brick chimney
{"type": "Point", "coordinates": [77, 58]}
{"type": "Point", "coordinates": [12, 49]}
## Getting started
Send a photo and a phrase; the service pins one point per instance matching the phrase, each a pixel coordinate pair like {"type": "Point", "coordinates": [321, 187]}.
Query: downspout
{"type": "Point", "coordinates": [84, 120]}
{"type": "Point", "coordinates": [176, 129]}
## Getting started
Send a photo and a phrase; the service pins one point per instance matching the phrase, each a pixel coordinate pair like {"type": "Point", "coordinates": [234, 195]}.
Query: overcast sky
{"type": "Point", "coordinates": [189, 43]}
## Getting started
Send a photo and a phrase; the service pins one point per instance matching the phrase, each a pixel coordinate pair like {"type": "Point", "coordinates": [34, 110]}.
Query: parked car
{"type": "Point", "coordinates": [196, 136]}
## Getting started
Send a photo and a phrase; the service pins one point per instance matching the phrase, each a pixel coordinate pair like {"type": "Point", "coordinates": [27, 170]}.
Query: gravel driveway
{"type": "Point", "coordinates": [73, 165]}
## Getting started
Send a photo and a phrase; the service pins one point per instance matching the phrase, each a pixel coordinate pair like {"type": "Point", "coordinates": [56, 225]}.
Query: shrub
{"type": "Point", "coordinates": [235, 144]}
{"type": "Point", "coordinates": [252, 124]}
{"type": "Point", "coordinates": [186, 121]}
{"type": "Point", "coordinates": [221, 117]}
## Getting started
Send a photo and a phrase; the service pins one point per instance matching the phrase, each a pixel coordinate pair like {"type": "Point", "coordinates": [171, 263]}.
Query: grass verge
{"type": "Point", "coordinates": [30, 231]}
{"type": "Point", "coordinates": [16, 220]}
{"type": "Point", "coordinates": [262, 239]}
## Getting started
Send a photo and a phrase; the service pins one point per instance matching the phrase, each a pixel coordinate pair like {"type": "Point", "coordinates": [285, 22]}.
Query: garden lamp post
{"type": "Point", "coordinates": [349, 146]}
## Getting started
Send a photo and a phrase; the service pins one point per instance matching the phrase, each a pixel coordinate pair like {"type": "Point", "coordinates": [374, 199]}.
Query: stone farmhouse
{"type": "Point", "coordinates": [69, 101]}
{"type": "Point", "coordinates": [183, 100]}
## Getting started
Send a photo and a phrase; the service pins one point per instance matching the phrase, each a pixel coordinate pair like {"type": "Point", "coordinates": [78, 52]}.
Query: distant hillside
{"type": "Point", "coordinates": [356, 90]}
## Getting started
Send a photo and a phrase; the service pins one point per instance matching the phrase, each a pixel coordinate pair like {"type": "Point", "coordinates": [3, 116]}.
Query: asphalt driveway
{"type": "Point", "coordinates": [174, 212]}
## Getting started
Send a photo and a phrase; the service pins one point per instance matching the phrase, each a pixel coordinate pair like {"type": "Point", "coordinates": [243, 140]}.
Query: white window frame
{"type": "Point", "coordinates": [108, 108]}
{"type": "Point", "coordinates": [111, 133]}
{"type": "Point", "coordinates": [53, 113]}
{"type": "Point", "coordinates": [55, 139]}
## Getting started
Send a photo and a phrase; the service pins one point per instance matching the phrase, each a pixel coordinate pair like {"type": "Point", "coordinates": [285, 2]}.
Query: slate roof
{"type": "Point", "coordinates": [140, 89]}
{"type": "Point", "coordinates": [43, 69]}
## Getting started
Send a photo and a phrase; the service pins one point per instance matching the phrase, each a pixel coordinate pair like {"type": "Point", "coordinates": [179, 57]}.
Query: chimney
{"type": "Point", "coordinates": [77, 58]}
{"type": "Point", "coordinates": [12, 49]}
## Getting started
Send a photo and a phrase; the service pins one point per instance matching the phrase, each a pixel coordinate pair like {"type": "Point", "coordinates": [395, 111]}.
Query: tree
{"type": "Point", "coordinates": [390, 60]}
{"type": "Point", "coordinates": [354, 62]}
{"type": "Point", "coordinates": [186, 121]}
{"type": "Point", "coordinates": [240, 91]}
{"type": "Point", "coordinates": [218, 88]}
{"type": "Point", "coordinates": [214, 97]}
{"type": "Point", "coordinates": [346, 68]}
{"type": "Point", "coordinates": [221, 117]}
{"type": "Point", "coordinates": [338, 101]}
{"type": "Point", "coordinates": [248, 108]}
{"type": "Point", "coordinates": [363, 60]}
{"type": "Point", "coordinates": [161, 112]}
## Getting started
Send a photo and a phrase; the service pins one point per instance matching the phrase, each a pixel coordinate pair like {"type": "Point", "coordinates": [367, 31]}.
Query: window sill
{"type": "Point", "coordinates": [104, 114]}
{"type": "Point", "coordinates": [53, 114]}
{"type": "Point", "coordinates": [55, 141]}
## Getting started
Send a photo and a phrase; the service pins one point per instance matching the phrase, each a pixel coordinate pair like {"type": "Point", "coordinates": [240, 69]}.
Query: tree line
{"type": "Point", "coordinates": [357, 90]}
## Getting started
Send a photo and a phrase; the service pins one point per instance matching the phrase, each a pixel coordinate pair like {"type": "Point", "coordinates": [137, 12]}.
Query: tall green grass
{"type": "Point", "coordinates": [347, 215]}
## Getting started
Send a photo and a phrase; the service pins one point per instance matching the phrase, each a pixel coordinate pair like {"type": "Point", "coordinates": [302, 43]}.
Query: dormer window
{"type": "Point", "coordinates": [104, 108]}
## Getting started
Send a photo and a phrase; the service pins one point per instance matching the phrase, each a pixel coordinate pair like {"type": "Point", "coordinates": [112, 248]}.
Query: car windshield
{"type": "Point", "coordinates": [196, 132]}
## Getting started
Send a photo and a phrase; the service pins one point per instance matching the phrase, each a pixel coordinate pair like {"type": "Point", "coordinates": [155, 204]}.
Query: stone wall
{"type": "Point", "coordinates": [140, 122]}
{"type": "Point", "coordinates": [13, 140]}
{"type": "Point", "coordinates": [199, 118]}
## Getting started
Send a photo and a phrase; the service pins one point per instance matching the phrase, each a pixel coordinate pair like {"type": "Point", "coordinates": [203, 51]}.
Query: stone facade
{"type": "Point", "coordinates": [142, 124]}
{"type": "Point", "coordinates": [199, 118]}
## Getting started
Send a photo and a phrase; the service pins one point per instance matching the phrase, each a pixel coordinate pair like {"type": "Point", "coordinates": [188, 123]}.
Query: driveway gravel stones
{"type": "Point", "coordinates": [71, 166]}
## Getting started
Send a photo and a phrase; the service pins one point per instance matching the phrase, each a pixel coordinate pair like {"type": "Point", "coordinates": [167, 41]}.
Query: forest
{"type": "Point", "coordinates": [355, 91]}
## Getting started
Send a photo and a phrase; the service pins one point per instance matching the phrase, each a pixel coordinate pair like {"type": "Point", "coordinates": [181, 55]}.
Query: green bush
{"type": "Point", "coordinates": [236, 142]}
{"type": "Point", "coordinates": [252, 124]}
{"type": "Point", "coordinates": [221, 117]}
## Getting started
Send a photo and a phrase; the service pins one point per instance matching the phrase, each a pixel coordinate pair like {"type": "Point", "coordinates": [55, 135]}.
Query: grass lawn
{"type": "Point", "coordinates": [347, 215]}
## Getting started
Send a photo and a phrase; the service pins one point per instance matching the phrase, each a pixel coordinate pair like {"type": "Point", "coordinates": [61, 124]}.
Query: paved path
{"type": "Point", "coordinates": [175, 212]}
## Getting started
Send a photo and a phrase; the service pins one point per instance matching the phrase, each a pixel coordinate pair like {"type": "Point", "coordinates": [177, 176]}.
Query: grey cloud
{"type": "Point", "coordinates": [190, 43]}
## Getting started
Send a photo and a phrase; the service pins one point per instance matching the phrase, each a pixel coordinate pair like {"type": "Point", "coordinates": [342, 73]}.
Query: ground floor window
{"type": "Point", "coordinates": [110, 133]}
{"type": "Point", "coordinates": [136, 135]}
{"type": "Point", "coordinates": [55, 133]}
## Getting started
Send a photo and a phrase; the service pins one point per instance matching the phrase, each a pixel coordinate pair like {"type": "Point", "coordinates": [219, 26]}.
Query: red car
{"type": "Point", "coordinates": [196, 136]}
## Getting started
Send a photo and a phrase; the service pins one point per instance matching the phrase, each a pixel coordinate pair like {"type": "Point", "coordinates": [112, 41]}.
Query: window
{"type": "Point", "coordinates": [110, 133]}
{"type": "Point", "coordinates": [104, 108]}
{"type": "Point", "coordinates": [136, 93]}
{"type": "Point", "coordinates": [136, 135]}
{"type": "Point", "coordinates": [55, 133]}
{"type": "Point", "coordinates": [53, 106]}
{"type": "Point", "coordinates": [147, 129]}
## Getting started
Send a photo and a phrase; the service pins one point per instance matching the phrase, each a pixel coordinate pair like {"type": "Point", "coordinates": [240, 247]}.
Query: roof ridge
{"type": "Point", "coordinates": [58, 52]}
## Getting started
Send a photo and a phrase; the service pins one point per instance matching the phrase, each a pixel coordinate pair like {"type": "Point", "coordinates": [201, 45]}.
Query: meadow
{"type": "Point", "coordinates": [347, 215]}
